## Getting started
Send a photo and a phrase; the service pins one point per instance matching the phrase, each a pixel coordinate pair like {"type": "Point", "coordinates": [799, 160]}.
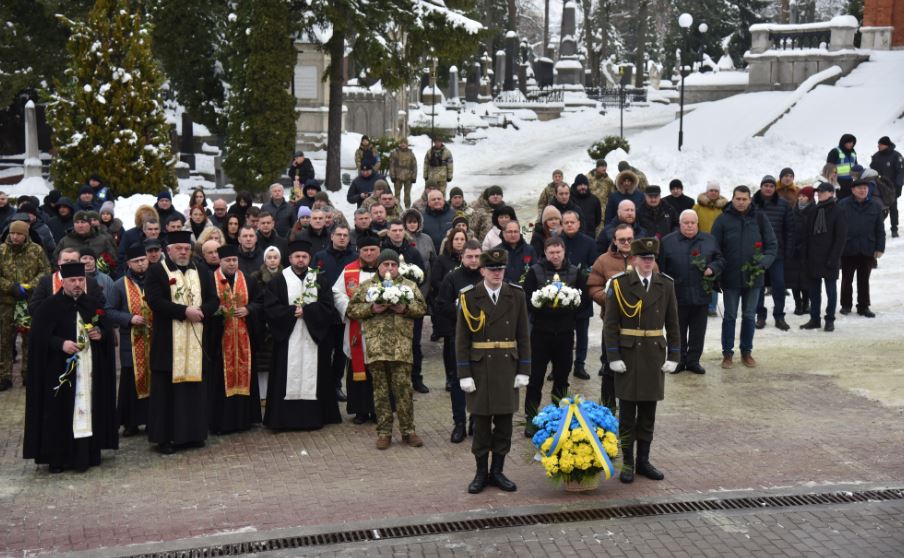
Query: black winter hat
{"type": "Point", "coordinates": [675, 183]}
{"type": "Point", "coordinates": [785, 171]}
{"type": "Point", "coordinates": [580, 179]}
{"type": "Point", "coordinates": [885, 140]}
{"type": "Point", "coordinates": [768, 179]}
{"type": "Point", "coordinates": [53, 197]}
{"type": "Point", "coordinates": [504, 210]}
{"type": "Point", "coordinates": [456, 191]}
{"type": "Point", "coordinates": [601, 163]}
{"type": "Point", "coordinates": [492, 190]}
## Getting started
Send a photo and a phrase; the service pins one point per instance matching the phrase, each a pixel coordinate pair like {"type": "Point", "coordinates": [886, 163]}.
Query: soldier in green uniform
{"type": "Point", "coordinates": [639, 304]}
{"type": "Point", "coordinates": [388, 331]}
{"type": "Point", "coordinates": [492, 350]}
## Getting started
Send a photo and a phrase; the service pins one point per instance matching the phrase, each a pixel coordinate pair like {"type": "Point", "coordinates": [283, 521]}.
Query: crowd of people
{"type": "Point", "coordinates": [226, 316]}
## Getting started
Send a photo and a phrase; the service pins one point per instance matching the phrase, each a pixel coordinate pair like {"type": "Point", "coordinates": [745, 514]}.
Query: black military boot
{"type": "Point", "coordinates": [812, 324]}
{"type": "Point", "coordinates": [497, 478]}
{"type": "Point", "coordinates": [480, 479]}
{"type": "Point", "coordinates": [458, 433]}
{"type": "Point", "coordinates": [627, 471]}
{"type": "Point", "coordinates": [644, 467]}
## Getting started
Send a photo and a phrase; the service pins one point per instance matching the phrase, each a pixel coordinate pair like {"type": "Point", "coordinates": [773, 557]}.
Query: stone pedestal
{"type": "Point", "coordinates": [311, 97]}
{"type": "Point", "coordinates": [876, 38]}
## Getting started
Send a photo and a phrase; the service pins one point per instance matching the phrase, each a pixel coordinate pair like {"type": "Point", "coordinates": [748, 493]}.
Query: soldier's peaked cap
{"type": "Point", "coordinates": [494, 258]}
{"type": "Point", "coordinates": [645, 247]}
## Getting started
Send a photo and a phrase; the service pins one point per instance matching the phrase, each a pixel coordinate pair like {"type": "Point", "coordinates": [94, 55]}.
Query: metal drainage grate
{"type": "Point", "coordinates": [596, 514]}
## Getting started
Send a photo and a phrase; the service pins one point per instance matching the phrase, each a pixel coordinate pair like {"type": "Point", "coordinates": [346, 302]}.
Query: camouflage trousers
{"type": "Point", "coordinates": [394, 377]}
{"type": "Point", "coordinates": [403, 187]}
{"type": "Point", "coordinates": [8, 334]}
{"type": "Point", "coordinates": [439, 175]}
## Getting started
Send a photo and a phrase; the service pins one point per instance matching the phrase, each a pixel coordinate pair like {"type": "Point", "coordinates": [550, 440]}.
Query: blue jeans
{"type": "Point", "coordinates": [747, 298]}
{"type": "Point", "coordinates": [816, 298]}
{"type": "Point", "coordinates": [581, 326]}
{"type": "Point", "coordinates": [713, 302]}
{"type": "Point", "coordinates": [776, 275]}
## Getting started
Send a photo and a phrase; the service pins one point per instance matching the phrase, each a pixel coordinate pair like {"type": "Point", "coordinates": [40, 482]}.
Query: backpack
{"type": "Point", "coordinates": [886, 192]}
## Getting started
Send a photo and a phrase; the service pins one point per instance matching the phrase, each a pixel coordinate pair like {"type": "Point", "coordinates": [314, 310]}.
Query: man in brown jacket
{"type": "Point", "coordinates": [639, 304]}
{"type": "Point", "coordinates": [616, 260]}
{"type": "Point", "coordinates": [403, 171]}
{"type": "Point", "coordinates": [492, 353]}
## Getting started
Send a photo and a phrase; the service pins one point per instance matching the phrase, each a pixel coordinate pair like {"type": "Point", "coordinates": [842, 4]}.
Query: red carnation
{"type": "Point", "coordinates": [695, 253]}
{"type": "Point", "coordinates": [757, 244]}
{"type": "Point", "coordinates": [172, 281]}
{"type": "Point", "coordinates": [527, 259]}
{"type": "Point", "coordinates": [100, 312]}
{"type": "Point", "coordinates": [224, 281]}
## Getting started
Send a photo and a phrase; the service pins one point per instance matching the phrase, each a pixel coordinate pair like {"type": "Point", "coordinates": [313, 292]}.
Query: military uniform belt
{"type": "Point", "coordinates": [493, 345]}
{"type": "Point", "coordinates": [641, 332]}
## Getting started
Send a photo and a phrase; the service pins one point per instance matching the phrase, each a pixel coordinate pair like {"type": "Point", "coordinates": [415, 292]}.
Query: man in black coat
{"type": "Point", "coordinates": [626, 213]}
{"type": "Point", "coordinates": [777, 210]}
{"type": "Point", "coordinates": [864, 246]}
{"type": "Point", "coordinates": [580, 251]}
{"type": "Point", "coordinates": [301, 169]}
{"type": "Point", "coordinates": [283, 211]}
{"type": "Point", "coordinates": [655, 217]}
{"type": "Point", "coordinates": [589, 204]}
{"type": "Point", "coordinates": [677, 200]}
{"type": "Point", "coordinates": [681, 256]}
{"type": "Point", "coordinates": [363, 186]}
{"type": "Point", "coordinates": [890, 166]}
{"type": "Point", "coordinates": [251, 257]}
{"type": "Point", "coordinates": [552, 331]}
{"type": "Point", "coordinates": [182, 296]}
{"type": "Point", "coordinates": [267, 236]}
{"type": "Point", "coordinates": [825, 234]}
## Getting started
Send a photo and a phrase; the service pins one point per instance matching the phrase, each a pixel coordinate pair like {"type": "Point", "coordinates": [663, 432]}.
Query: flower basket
{"type": "Point", "coordinates": [387, 292]}
{"type": "Point", "coordinates": [575, 441]}
{"type": "Point", "coordinates": [556, 294]}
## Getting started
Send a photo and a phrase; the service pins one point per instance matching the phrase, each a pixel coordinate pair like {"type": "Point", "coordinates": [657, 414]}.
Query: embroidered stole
{"type": "Point", "coordinates": [185, 288]}
{"type": "Point", "coordinates": [352, 276]}
{"type": "Point", "coordinates": [236, 342]}
{"type": "Point", "coordinates": [81, 410]}
{"type": "Point", "coordinates": [301, 361]}
{"type": "Point", "coordinates": [140, 337]}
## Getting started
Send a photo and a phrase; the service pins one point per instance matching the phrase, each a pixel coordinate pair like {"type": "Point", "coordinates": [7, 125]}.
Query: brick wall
{"type": "Point", "coordinates": [883, 13]}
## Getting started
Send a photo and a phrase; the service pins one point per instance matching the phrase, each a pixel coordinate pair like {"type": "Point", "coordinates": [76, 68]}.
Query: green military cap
{"type": "Point", "coordinates": [82, 216]}
{"type": "Point", "coordinates": [645, 247]}
{"type": "Point", "coordinates": [494, 259]}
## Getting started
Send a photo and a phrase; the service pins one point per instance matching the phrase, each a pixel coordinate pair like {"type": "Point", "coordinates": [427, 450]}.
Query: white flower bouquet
{"type": "Point", "coordinates": [410, 271]}
{"type": "Point", "coordinates": [556, 294]}
{"type": "Point", "coordinates": [389, 293]}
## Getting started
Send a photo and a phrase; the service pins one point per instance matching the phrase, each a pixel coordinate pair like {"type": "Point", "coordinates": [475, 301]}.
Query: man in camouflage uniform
{"type": "Point", "coordinates": [548, 195]}
{"type": "Point", "coordinates": [403, 171]}
{"type": "Point", "coordinates": [388, 331]}
{"type": "Point", "coordinates": [22, 263]}
{"type": "Point", "coordinates": [438, 164]}
{"type": "Point", "coordinates": [639, 304]}
{"type": "Point", "coordinates": [493, 359]}
{"type": "Point", "coordinates": [601, 184]}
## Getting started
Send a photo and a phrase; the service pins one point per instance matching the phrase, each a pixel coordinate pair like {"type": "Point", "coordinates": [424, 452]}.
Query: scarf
{"type": "Point", "coordinates": [819, 225]}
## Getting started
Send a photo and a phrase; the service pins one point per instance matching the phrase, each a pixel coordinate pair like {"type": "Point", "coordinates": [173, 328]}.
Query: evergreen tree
{"type": "Point", "coordinates": [259, 108]}
{"type": "Point", "coordinates": [107, 115]}
{"type": "Point", "coordinates": [187, 42]}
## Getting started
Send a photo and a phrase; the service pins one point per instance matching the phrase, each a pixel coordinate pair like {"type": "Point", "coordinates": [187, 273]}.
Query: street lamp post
{"type": "Point", "coordinates": [685, 21]}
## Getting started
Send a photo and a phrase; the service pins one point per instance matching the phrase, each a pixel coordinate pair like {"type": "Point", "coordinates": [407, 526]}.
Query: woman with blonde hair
{"type": "Point", "coordinates": [209, 233]}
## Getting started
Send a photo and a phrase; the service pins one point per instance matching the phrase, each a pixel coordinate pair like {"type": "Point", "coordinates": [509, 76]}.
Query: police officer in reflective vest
{"type": "Point", "coordinates": [492, 353]}
{"type": "Point", "coordinates": [639, 304]}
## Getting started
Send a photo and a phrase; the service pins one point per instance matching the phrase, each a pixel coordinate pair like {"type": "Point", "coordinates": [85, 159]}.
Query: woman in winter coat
{"type": "Point", "coordinates": [209, 233]}
{"type": "Point", "coordinates": [240, 207]}
{"type": "Point", "coordinates": [109, 223]}
{"type": "Point", "coordinates": [198, 198]}
{"type": "Point", "coordinates": [550, 225]}
{"type": "Point", "coordinates": [197, 222]}
{"type": "Point", "coordinates": [231, 229]}
{"type": "Point", "coordinates": [501, 216]}
{"type": "Point", "coordinates": [263, 352]}
{"type": "Point", "coordinates": [795, 265]}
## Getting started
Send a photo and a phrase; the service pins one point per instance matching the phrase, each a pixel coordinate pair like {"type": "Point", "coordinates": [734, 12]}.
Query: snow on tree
{"type": "Point", "coordinates": [107, 112]}
{"type": "Point", "coordinates": [260, 133]}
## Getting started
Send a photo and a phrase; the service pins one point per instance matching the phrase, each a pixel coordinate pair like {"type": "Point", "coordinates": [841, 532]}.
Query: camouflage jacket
{"type": "Point", "coordinates": [387, 336]}
{"type": "Point", "coordinates": [403, 165]}
{"type": "Point", "coordinates": [24, 265]}
{"type": "Point", "coordinates": [600, 186]}
{"type": "Point", "coordinates": [438, 164]}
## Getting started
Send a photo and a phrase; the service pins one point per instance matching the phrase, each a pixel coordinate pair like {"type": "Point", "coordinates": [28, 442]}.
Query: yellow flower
{"type": "Point", "coordinates": [546, 445]}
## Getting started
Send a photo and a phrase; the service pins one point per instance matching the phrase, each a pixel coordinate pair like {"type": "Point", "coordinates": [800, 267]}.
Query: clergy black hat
{"type": "Point", "coordinates": [299, 246]}
{"type": "Point", "coordinates": [135, 251]}
{"type": "Point", "coordinates": [366, 240]}
{"type": "Point", "coordinates": [72, 269]}
{"type": "Point", "coordinates": [178, 237]}
{"type": "Point", "coordinates": [228, 251]}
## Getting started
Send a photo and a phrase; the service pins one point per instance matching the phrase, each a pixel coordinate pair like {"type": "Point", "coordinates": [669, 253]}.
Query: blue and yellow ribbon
{"type": "Point", "coordinates": [574, 411]}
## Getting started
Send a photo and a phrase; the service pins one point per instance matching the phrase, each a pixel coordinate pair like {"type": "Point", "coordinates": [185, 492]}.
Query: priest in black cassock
{"type": "Point", "coordinates": [298, 303]}
{"type": "Point", "coordinates": [235, 402]}
{"type": "Point", "coordinates": [182, 297]}
{"type": "Point", "coordinates": [70, 408]}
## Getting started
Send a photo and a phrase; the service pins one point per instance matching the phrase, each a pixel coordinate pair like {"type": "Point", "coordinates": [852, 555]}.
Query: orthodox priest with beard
{"type": "Point", "coordinates": [235, 402]}
{"type": "Point", "coordinates": [181, 296]}
{"type": "Point", "coordinates": [129, 311]}
{"type": "Point", "coordinates": [70, 409]}
{"type": "Point", "coordinates": [301, 391]}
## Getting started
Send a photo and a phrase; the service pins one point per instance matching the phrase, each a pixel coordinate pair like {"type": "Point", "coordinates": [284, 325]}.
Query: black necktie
{"type": "Point", "coordinates": [493, 296]}
{"type": "Point", "coordinates": [646, 283]}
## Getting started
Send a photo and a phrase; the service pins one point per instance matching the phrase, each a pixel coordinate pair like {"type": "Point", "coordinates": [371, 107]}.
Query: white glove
{"type": "Point", "coordinates": [618, 366]}
{"type": "Point", "coordinates": [467, 385]}
{"type": "Point", "coordinates": [521, 380]}
{"type": "Point", "coordinates": [669, 366]}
